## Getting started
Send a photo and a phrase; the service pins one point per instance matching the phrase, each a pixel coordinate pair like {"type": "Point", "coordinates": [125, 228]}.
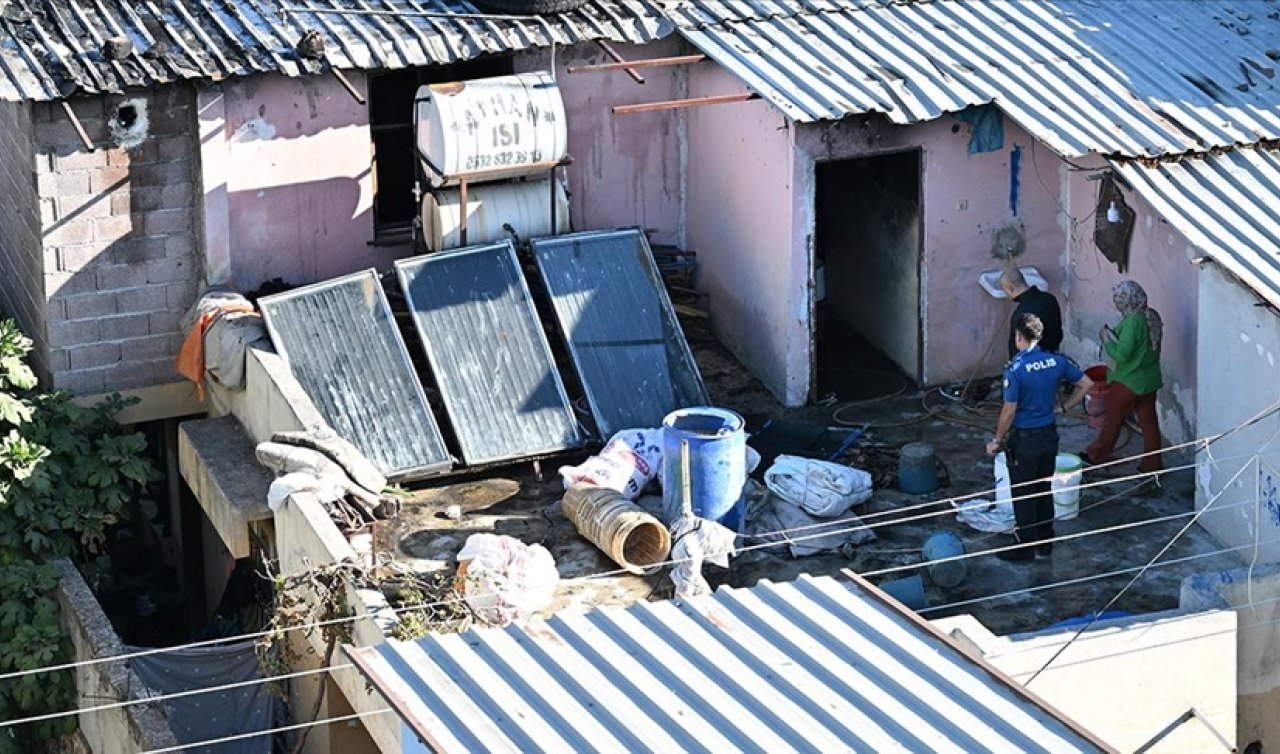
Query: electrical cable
{"type": "Point", "coordinates": [1205, 442]}
{"type": "Point", "coordinates": [271, 732]}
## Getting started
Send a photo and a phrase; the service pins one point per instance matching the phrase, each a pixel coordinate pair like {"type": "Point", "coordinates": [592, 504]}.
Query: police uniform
{"type": "Point", "coordinates": [1031, 381]}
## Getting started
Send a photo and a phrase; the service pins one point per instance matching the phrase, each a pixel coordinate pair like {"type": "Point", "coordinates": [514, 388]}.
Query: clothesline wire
{"type": "Point", "coordinates": [1204, 442]}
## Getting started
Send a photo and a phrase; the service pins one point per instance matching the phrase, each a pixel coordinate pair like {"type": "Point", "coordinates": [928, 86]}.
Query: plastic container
{"type": "Point", "coordinates": [634, 539]}
{"type": "Point", "coordinates": [490, 129]}
{"type": "Point", "coordinates": [1095, 401]}
{"type": "Point", "coordinates": [917, 469]}
{"type": "Point", "coordinates": [524, 205]}
{"type": "Point", "coordinates": [1068, 474]}
{"type": "Point", "coordinates": [939, 547]}
{"type": "Point", "coordinates": [717, 463]}
{"type": "Point", "coordinates": [908, 591]}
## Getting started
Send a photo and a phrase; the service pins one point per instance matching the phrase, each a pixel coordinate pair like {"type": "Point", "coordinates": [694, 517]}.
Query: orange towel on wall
{"type": "Point", "coordinates": [190, 360]}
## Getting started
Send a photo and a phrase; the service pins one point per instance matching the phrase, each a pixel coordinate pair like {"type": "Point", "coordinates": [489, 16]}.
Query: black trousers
{"type": "Point", "coordinates": [1033, 455]}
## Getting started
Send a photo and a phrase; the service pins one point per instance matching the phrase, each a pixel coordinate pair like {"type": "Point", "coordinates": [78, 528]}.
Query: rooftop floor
{"type": "Point", "coordinates": [1081, 577]}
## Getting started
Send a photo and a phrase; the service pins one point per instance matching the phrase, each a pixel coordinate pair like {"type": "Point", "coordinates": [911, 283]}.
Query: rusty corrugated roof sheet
{"type": "Point", "coordinates": [1134, 78]}
{"type": "Point", "coordinates": [50, 48]}
{"type": "Point", "coordinates": [815, 665]}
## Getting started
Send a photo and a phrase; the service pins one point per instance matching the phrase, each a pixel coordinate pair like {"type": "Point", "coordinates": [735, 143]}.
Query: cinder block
{"type": "Point", "coordinates": [161, 174]}
{"type": "Point", "coordinates": [171, 270]}
{"type": "Point", "coordinates": [68, 283]}
{"type": "Point", "coordinates": [153, 347]}
{"type": "Point", "coordinates": [125, 326]}
{"type": "Point", "coordinates": [70, 232]}
{"type": "Point", "coordinates": [63, 184]}
{"type": "Point", "coordinates": [165, 322]}
{"type": "Point", "coordinates": [130, 374]}
{"type": "Point", "coordinates": [83, 206]}
{"type": "Point", "coordinates": [94, 355]}
{"type": "Point", "coordinates": [88, 305]}
{"type": "Point", "coordinates": [79, 160]}
{"type": "Point", "coordinates": [117, 227]}
{"type": "Point", "coordinates": [180, 245]}
{"type": "Point", "coordinates": [74, 333]}
{"type": "Point", "coordinates": [59, 134]}
{"type": "Point", "coordinates": [48, 212]}
{"type": "Point", "coordinates": [117, 156]}
{"type": "Point", "coordinates": [117, 276]}
{"type": "Point", "coordinates": [137, 250]}
{"type": "Point", "coordinates": [81, 256]}
{"type": "Point", "coordinates": [165, 369]}
{"type": "Point", "coordinates": [109, 179]}
{"type": "Point", "coordinates": [149, 298]}
{"type": "Point", "coordinates": [174, 148]}
{"type": "Point", "coordinates": [86, 382]}
{"type": "Point", "coordinates": [182, 295]}
{"type": "Point", "coordinates": [165, 221]}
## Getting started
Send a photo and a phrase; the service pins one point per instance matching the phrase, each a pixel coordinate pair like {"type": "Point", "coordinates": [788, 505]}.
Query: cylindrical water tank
{"type": "Point", "coordinates": [526, 206]}
{"type": "Point", "coordinates": [491, 128]}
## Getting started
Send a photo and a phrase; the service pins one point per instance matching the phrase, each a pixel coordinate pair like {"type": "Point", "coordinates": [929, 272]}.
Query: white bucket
{"type": "Point", "coordinates": [1066, 483]}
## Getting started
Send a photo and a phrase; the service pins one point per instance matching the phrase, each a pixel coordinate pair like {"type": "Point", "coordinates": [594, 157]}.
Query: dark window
{"type": "Point", "coordinates": [391, 104]}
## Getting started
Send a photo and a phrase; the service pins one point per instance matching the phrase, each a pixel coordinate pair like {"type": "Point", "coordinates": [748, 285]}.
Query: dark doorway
{"type": "Point", "coordinates": [867, 258]}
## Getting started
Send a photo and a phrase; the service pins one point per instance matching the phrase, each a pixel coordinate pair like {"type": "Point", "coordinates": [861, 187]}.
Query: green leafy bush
{"type": "Point", "coordinates": [67, 472]}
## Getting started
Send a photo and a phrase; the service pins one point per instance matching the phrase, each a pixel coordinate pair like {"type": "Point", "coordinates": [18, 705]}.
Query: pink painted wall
{"type": "Point", "coordinates": [1159, 259]}
{"type": "Point", "coordinates": [299, 191]}
{"type": "Point", "coordinates": [740, 209]}
{"type": "Point", "coordinates": [627, 168]}
{"type": "Point", "coordinates": [966, 198]}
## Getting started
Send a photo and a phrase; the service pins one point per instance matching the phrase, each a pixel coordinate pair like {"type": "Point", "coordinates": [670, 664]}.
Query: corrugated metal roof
{"type": "Point", "coordinates": [1132, 78]}
{"type": "Point", "coordinates": [491, 360]}
{"type": "Point", "coordinates": [612, 309]}
{"type": "Point", "coordinates": [344, 348]}
{"type": "Point", "coordinates": [1227, 204]}
{"type": "Point", "coordinates": [815, 666]}
{"type": "Point", "coordinates": [59, 44]}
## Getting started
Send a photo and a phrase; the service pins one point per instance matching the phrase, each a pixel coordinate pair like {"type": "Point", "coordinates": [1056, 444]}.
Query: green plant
{"type": "Point", "coordinates": [67, 472]}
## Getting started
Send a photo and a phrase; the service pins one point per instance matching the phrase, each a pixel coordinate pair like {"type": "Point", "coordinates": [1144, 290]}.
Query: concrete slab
{"type": "Point", "coordinates": [216, 459]}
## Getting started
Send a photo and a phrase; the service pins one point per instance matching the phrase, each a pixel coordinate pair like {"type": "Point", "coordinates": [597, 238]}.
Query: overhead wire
{"type": "Point", "coordinates": [1204, 442]}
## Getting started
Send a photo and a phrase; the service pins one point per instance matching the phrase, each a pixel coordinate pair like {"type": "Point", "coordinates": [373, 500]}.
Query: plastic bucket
{"type": "Point", "coordinates": [917, 469]}
{"type": "Point", "coordinates": [1066, 481]}
{"type": "Point", "coordinates": [939, 547]}
{"type": "Point", "coordinates": [908, 591]}
{"type": "Point", "coordinates": [717, 463]}
{"type": "Point", "coordinates": [1095, 401]}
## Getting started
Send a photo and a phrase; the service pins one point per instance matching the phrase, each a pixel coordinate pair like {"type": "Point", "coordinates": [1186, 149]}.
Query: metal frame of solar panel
{"type": "Point", "coordinates": [344, 348]}
{"type": "Point", "coordinates": [614, 314]}
{"type": "Point", "coordinates": [493, 365]}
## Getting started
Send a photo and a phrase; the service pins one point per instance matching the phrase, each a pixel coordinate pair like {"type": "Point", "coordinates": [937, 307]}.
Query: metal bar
{"type": "Point", "coordinates": [553, 200]}
{"type": "Point", "coordinates": [608, 50]}
{"type": "Point", "coordinates": [346, 84]}
{"type": "Point", "coordinates": [481, 174]}
{"type": "Point", "coordinates": [462, 212]}
{"type": "Point", "coordinates": [75, 123]}
{"type": "Point", "coordinates": [627, 65]}
{"type": "Point", "coordinates": [675, 104]}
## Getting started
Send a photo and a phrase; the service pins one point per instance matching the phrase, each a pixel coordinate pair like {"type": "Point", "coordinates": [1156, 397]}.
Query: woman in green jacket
{"type": "Point", "coordinates": [1135, 346]}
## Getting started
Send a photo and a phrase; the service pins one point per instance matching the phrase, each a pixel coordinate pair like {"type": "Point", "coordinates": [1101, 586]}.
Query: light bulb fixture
{"type": "Point", "coordinates": [1113, 214]}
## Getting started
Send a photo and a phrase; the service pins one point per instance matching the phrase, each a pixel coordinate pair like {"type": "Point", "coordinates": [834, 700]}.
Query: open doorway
{"type": "Point", "coordinates": [867, 262]}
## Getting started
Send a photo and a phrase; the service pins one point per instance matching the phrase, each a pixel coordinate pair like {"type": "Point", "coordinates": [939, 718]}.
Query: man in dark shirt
{"type": "Point", "coordinates": [1032, 300]}
{"type": "Point", "coordinates": [1027, 429]}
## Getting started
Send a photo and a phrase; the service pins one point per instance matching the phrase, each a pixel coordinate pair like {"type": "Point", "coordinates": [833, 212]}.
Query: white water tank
{"type": "Point", "coordinates": [525, 206]}
{"type": "Point", "coordinates": [490, 129]}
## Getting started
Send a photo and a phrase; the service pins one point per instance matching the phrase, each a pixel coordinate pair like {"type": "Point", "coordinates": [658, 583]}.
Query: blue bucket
{"type": "Point", "coordinates": [717, 463]}
{"type": "Point", "coordinates": [938, 547]}
{"type": "Point", "coordinates": [908, 591]}
{"type": "Point", "coordinates": [917, 469]}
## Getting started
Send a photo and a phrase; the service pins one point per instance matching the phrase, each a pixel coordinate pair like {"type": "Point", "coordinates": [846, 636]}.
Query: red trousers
{"type": "Point", "coordinates": [1120, 401]}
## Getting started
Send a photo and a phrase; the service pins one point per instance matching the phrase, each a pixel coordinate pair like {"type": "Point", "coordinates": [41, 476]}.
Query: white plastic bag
{"type": "Point", "coordinates": [820, 488]}
{"type": "Point", "coordinates": [1001, 469]}
{"type": "Point", "coordinates": [695, 541]}
{"type": "Point", "coordinates": [504, 579]}
{"type": "Point", "coordinates": [628, 462]}
{"type": "Point", "coordinates": [984, 515]}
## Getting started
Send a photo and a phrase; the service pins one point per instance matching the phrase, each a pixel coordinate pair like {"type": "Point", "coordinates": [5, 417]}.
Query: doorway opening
{"type": "Point", "coordinates": [867, 326]}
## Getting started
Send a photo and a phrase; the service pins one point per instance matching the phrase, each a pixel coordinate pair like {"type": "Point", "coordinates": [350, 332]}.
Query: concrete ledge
{"type": "Point", "coordinates": [272, 400]}
{"type": "Point", "coordinates": [216, 458]}
{"type": "Point", "coordinates": [158, 402]}
{"type": "Point", "coordinates": [140, 727]}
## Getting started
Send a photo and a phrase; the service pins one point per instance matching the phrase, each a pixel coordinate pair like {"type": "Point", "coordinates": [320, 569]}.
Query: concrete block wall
{"type": "Point", "coordinates": [21, 260]}
{"type": "Point", "coordinates": [121, 262]}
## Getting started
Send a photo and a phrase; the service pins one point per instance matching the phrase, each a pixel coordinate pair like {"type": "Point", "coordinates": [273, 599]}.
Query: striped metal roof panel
{"type": "Point", "coordinates": [815, 665]}
{"type": "Point", "coordinates": [1227, 205]}
{"type": "Point", "coordinates": [53, 49]}
{"type": "Point", "coordinates": [1133, 78]}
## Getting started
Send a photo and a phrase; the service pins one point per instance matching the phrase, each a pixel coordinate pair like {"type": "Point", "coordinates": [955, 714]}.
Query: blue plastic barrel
{"type": "Point", "coordinates": [938, 547]}
{"type": "Point", "coordinates": [908, 591]}
{"type": "Point", "coordinates": [717, 463]}
{"type": "Point", "coordinates": [917, 469]}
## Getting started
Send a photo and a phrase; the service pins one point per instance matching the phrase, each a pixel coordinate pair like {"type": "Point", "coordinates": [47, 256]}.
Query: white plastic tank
{"type": "Point", "coordinates": [491, 128]}
{"type": "Point", "coordinates": [525, 205]}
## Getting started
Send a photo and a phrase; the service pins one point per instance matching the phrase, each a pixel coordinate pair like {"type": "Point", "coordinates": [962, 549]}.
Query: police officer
{"type": "Point", "coordinates": [1028, 431]}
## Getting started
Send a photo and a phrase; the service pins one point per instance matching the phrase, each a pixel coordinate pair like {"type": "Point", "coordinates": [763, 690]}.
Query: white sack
{"type": "Point", "coordinates": [628, 462]}
{"type": "Point", "coordinates": [324, 488]}
{"type": "Point", "coordinates": [693, 541]}
{"type": "Point", "coordinates": [984, 515]}
{"type": "Point", "coordinates": [819, 487]}
{"type": "Point", "coordinates": [505, 579]}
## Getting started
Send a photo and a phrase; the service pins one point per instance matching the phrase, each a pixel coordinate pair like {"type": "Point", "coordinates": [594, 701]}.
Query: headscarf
{"type": "Point", "coordinates": [1131, 299]}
